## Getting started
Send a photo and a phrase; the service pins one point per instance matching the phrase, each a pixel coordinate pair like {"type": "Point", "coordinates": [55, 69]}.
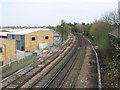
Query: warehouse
{"type": "Point", "coordinates": [31, 39]}
{"type": "Point", "coordinates": [7, 50]}
{"type": "Point", "coordinates": [13, 40]}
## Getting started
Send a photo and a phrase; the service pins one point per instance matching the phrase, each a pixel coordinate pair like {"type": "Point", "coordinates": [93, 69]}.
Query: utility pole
{"type": "Point", "coordinates": [62, 33]}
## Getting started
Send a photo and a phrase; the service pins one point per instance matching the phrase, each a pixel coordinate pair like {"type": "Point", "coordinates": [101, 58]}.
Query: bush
{"type": "Point", "coordinates": [99, 32]}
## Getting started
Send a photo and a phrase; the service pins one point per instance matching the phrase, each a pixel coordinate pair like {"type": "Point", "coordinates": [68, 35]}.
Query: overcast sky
{"type": "Point", "coordinates": [51, 12]}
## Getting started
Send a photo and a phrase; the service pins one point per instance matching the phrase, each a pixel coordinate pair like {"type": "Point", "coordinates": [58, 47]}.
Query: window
{"type": "Point", "coordinates": [1, 50]}
{"type": "Point", "coordinates": [46, 37]}
{"type": "Point", "coordinates": [22, 37]}
{"type": "Point", "coordinates": [13, 36]}
{"type": "Point", "coordinates": [33, 38]}
{"type": "Point", "coordinates": [22, 48]}
{"type": "Point", "coordinates": [1, 63]}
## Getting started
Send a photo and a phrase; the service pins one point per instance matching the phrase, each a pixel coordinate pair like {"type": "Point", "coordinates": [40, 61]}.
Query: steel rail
{"type": "Point", "coordinates": [68, 63]}
{"type": "Point", "coordinates": [80, 63]}
{"type": "Point", "coordinates": [40, 63]}
{"type": "Point", "coordinates": [67, 71]}
{"type": "Point", "coordinates": [42, 69]}
{"type": "Point", "coordinates": [70, 60]}
{"type": "Point", "coordinates": [57, 84]}
{"type": "Point", "coordinates": [32, 86]}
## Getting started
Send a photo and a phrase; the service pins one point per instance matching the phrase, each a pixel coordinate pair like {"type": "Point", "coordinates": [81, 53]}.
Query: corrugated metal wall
{"type": "Point", "coordinates": [19, 41]}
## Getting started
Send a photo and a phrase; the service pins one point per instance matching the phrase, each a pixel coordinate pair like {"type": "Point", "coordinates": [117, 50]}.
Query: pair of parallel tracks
{"type": "Point", "coordinates": [69, 71]}
{"type": "Point", "coordinates": [52, 76]}
{"type": "Point", "coordinates": [64, 71]}
{"type": "Point", "coordinates": [18, 79]}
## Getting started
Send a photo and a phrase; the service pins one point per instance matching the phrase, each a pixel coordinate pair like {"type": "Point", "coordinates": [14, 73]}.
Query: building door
{"type": "Point", "coordinates": [2, 55]}
{"type": "Point", "coordinates": [18, 46]}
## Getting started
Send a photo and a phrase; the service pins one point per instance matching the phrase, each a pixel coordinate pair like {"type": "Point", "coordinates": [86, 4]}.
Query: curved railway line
{"type": "Point", "coordinates": [59, 70]}
{"type": "Point", "coordinates": [60, 78]}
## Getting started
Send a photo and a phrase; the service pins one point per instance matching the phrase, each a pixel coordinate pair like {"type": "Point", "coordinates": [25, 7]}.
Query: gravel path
{"type": "Point", "coordinates": [88, 75]}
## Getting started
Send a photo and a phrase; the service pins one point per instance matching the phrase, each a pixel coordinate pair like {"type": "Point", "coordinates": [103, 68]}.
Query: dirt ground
{"type": "Point", "coordinates": [88, 77]}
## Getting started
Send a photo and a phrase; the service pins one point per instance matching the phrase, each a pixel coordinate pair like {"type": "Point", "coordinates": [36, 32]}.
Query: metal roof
{"type": "Point", "coordinates": [23, 31]}
{"type": "Point", "coordinates": [3, 34]}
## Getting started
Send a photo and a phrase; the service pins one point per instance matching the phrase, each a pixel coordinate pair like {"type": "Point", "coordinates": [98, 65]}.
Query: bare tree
{"type": "Point", "coordinates": [111, 17]}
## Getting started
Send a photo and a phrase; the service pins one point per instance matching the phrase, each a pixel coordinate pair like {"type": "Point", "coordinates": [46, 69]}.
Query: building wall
{"type": "Point", "coordinates": [39, 36]}
{"type": "Point", "coordinates": [19, 41]}
{"type": "Point", "coordinates": [8, 50]}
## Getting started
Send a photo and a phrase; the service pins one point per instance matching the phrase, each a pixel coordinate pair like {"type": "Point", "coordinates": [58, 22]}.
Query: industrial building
{"type": "Point", "coordinates": [29, 39]}
{"type": "Point", "coordinates": [14, 40]}
{"type": "Point", "coordinates": [7, 50]}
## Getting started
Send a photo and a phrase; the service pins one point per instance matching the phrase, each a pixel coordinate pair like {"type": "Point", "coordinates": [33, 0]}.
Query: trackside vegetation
{"type": "Point", "coordinates": [98, 32]}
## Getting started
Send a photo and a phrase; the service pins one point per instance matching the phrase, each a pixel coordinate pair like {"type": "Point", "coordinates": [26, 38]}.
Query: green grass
{"type": "Point", "coordinates": [14, 66]}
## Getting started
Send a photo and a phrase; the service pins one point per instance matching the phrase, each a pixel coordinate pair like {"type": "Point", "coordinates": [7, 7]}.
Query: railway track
{"type": "Point", "coordinates": [51, 75]}
{"type": "Point", "coordinates": [60, 70]}
{"type": "Point", "coordinates": [18, 79]}
{"type": "Point", "coordinates": [59, 76]}
{"type": "Point", "coordinates": [74, 72]}
{"type": "Point", "coordinates": [56, 76]}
